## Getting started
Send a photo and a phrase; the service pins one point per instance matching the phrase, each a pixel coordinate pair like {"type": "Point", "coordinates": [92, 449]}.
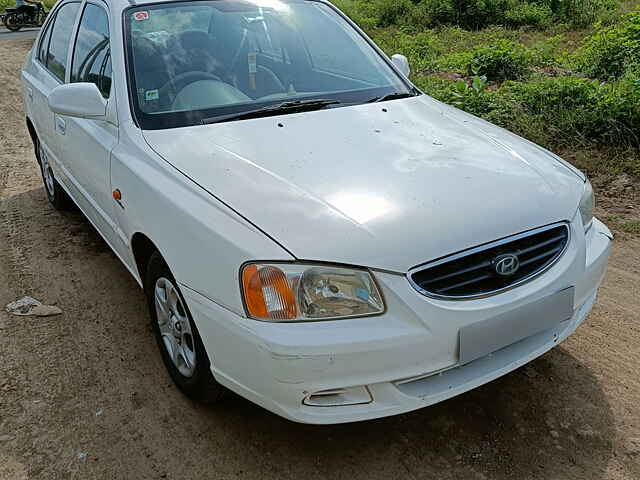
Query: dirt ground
{"type": "Point", "coordinates": [85, 395]}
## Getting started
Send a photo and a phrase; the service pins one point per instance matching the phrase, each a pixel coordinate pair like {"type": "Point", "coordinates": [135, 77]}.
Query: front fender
{"type": "Point", "coordinates": [203, 241]}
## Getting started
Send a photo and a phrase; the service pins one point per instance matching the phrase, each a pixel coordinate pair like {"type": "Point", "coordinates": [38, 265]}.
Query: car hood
{"type": "Point", "coordinates": [388, 185]}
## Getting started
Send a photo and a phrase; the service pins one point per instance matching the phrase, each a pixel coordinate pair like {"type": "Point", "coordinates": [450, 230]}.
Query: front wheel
{"type": "Point", "coordinates": [12, 22]}
{"type": "Point", "coordinates": [55, 193]}
{"type": "Point", "coordinates": [180, 345]}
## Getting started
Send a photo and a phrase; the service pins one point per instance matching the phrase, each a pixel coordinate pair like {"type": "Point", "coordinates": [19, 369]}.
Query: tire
{"type": "Point", "coordinates": [55, 193]}
{"type": "Point", "coordinates": [11, 21]}
{"type": "Point", "coordinates": [180, 344]}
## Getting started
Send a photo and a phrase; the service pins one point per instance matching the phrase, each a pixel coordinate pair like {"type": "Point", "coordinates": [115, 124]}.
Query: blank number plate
{"type": "Point", "coordinates": [482, 338]}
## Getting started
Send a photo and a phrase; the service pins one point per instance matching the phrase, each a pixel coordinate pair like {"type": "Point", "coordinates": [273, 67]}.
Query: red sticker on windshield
{"type": "Point", "coordinates": [139, 16]}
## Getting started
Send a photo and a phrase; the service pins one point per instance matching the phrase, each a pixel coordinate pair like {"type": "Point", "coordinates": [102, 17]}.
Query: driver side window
{"type": "Point", "coordinates": [58, 45]}
{"type": "Point", "coordinates": [92, 56]}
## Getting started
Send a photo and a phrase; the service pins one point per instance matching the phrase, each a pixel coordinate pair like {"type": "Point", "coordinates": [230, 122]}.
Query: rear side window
{"type": "Point", "coordinates": [44, 44]}
{"type": "Point", "coordinates": [91, 57]}
{"type": "Point", "coordinates": [61, 39]}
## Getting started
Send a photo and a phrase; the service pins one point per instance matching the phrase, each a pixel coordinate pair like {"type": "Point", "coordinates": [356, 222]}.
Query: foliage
{"type": "Point", "coordinates": [471, 14]}
{"type": "Point", "coordinates": [533, 14]}
{"type": "Point", "coordinates": [580, 13]}
{"type": "Point", "coordinates": [611, 49]}
{"type": "Point", "coordinates": [501, 60]}
{"type": "Point", "coordinates": [546, 52]}
{"type": "Point", "coordinates": [555, 112]}
{"type": "Point", "coordinates": [392, 12]}
{"type": "Point", "coordinates": [421, 49]}
{"type": "Point", "coordinates": [475, 14]}
{"type": "Point", "coordinates": [376, 13]}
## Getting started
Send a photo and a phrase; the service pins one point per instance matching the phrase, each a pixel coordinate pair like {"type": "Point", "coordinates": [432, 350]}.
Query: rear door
{"type": "Point", "coordinates": [46, 71]}
{"type": "Point", "coordinates": [88, 142]}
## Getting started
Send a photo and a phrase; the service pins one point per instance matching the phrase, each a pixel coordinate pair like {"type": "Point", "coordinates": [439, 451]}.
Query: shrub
{"type": "Point", "coordinates": [369, 14]}
{"type": "Point", "coordinates": [556, 93]}
{"type": "Point", "coordinates": [471, 14]}
{"type": "Point", "coordinates": [421, 49]}
{"type": "Point", "coordinates": [475, 14]}
{"type": "Point", "coordinates": [580, 13]}
{"type": "Point", "coordinates": [457, 62]}
{"type": "Point", "coordinates": [611, 49]}
{"type": "Point", "coordinates": [501, 60]}
{"type": "Point", "coordinates": [617, 110]}
{"type": "Point", "coordinates": [577, 110]}
{"type": "Point", "coordinates": [533, 14]}
{"type": "Point", "coordinates": [562, 112]}
{"type": "Point", "coordinates": [362, 13]}
{"type": "Point", "coordinates": [392, 12]}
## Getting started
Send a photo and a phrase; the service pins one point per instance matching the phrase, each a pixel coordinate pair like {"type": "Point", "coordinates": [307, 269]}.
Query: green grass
{"type": "Point", "coordinates": [632, 226]}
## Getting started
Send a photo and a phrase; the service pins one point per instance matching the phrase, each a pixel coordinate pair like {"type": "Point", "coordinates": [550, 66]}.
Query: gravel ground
{"type": "Point", "coordinates": [85, 395]}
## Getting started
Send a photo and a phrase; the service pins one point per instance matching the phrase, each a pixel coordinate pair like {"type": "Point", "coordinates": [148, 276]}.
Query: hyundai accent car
{"type": "Point", "coordinates": [311, 230]}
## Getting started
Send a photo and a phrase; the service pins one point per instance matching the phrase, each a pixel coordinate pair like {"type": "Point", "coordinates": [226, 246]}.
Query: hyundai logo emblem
{"type": "Point", "coordinates": [506, 264]}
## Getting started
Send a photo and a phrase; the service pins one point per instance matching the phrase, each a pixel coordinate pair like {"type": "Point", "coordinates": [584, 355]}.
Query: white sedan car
{"type": "Point", "coordinates": [311, 230]}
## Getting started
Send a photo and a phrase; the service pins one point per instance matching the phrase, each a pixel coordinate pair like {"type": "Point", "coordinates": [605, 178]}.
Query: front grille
{"type": "Point", "coordinates": [474, 272]}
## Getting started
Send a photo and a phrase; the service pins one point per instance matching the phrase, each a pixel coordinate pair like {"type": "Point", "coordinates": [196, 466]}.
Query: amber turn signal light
{"type": "Point", "coordinates": [267, 293]}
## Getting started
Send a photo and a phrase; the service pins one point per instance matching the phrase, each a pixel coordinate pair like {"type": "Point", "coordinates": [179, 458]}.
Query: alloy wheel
{"type": "Point", "coordinates": [175, 328]}
{"type": "Point", "coordinates": [47, 173]}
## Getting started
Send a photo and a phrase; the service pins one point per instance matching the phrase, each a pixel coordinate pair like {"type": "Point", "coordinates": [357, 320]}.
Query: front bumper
{"type": "Point", "coordinates": [406, 358]}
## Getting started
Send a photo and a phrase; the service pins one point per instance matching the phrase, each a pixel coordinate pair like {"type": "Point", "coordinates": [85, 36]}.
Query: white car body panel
{"type": "Point", "coordinates": [370, 186]}
{"type": "Point", "coordinates": [385, 190]}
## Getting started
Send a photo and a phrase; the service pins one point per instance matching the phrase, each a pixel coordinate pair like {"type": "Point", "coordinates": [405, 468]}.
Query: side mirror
{"type": "Point", "coordinates": [82, 100]}
{"type": "Point", "coordinates": [402, 64]}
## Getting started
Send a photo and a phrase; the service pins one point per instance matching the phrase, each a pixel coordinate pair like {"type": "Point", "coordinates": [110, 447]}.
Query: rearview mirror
{"type": "Point", "coordinates": [402, 64]}
{"type": "Point", "coordinates": [82, 100]}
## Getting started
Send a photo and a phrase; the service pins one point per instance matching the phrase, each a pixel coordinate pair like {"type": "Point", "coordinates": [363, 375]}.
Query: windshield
{"type": "Point", "coordinates": [190, 61]}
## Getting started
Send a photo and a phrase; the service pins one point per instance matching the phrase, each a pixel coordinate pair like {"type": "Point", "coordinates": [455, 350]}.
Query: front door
{"type": "Point", "coordinates": [88, 143]}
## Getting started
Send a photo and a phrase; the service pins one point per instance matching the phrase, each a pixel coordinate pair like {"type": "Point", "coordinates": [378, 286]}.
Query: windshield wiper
{"type": "Point", "coordinates": [271, 110]}
{"type": "Point", "coordinates": [392, 96]}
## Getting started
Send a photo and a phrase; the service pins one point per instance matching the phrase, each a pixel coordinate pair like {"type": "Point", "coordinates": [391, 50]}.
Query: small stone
{"type": "Point", "coordinates": [554, 433]}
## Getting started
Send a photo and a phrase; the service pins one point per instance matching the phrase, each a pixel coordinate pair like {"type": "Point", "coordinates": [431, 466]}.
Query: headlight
{"type": "Point", "coordinates": [587, 203]}
{"type": "Point", "coordinates": [292, 292]}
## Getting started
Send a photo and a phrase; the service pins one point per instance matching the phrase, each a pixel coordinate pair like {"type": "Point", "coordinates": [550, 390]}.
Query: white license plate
{"type": "Point", "coordinates": [487, 336]}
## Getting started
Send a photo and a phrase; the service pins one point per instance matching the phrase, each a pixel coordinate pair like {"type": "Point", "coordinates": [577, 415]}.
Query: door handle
{"type": "Point", "coordinates": [30, 93]}
{"type": "Point", "coordinates": [61, 125]}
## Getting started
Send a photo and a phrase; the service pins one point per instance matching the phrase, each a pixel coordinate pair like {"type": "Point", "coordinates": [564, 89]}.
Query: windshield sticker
{"type": "Point", "coordinates": [253, 69]}
{"type": "Point", "coordinates": [140, 16]}
{"type": "Point", "coordinates": [151, 95]}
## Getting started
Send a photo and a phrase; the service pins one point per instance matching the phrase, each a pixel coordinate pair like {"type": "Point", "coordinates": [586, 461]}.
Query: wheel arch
{"type": "Point", "coordinates": [143, 248]}
{"type": "Point", "coordinates": [34, 137]}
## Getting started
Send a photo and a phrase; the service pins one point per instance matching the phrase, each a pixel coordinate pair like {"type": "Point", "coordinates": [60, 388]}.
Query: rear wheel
{"type": "Point", "coordinates": [55, 193]}
{"type": "Point", "coordinates": [180, 345]}
{"type": "Point", "coordinates": [12, 22]}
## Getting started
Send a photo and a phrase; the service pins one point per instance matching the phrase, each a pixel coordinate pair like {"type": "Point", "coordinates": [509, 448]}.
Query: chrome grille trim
{"type": "Point", "coordinates": [555, 253]}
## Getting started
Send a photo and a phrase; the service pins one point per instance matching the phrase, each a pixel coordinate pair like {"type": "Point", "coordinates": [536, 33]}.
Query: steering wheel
{"type": "Point", "coordinates": [179, 82]}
